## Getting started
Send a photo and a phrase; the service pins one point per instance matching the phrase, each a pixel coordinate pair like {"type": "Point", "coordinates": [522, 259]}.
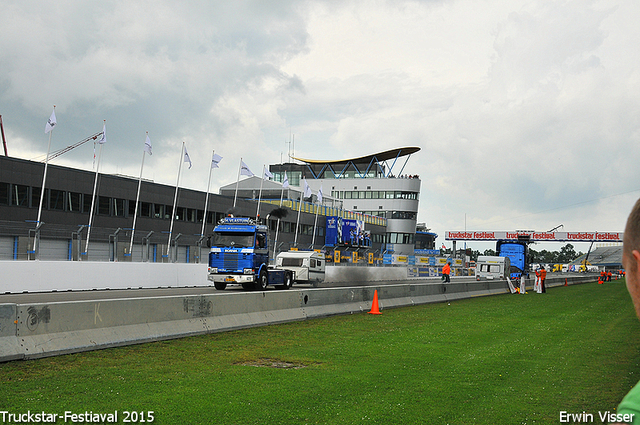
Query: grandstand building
{"type": "Point", "coordinates": [375, 185]}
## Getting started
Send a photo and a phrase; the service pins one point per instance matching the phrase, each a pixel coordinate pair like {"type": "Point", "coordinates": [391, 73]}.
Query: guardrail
{"type": "Point", "coordinates": [30, 331]}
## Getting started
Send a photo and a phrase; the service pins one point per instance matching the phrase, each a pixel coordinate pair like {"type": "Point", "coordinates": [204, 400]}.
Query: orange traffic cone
{"type": "Point", "coordinates": [565, 282]}
{"type": "Point", "coordinates": [374, 306]}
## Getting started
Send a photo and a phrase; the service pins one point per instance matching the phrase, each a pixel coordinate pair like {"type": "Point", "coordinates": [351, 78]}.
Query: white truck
{"type": "Point", "coordinates": [307, 266]}
{"type": "Point", "coordinates": [492, 267]}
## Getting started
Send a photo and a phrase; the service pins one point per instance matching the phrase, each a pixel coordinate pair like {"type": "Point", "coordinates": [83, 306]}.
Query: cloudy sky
{"type": "Point", "coordinates": [527, 112]}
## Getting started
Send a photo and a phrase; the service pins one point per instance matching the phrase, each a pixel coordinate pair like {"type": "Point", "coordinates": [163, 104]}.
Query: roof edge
{"type": "Point", "coordinates": [380, 156]}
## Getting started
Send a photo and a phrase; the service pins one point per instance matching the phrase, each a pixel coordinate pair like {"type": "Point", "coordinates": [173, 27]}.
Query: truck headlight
{"type": "Point", "coordinates": [213, 270]}
{"type": "Point", "coordinates": [248, 271]}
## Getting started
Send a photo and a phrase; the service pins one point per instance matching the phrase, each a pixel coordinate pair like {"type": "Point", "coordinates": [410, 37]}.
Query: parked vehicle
{"type": "Point", "coordinates": [492, 267]}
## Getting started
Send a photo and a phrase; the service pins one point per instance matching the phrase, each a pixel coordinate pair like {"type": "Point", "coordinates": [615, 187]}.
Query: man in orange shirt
{"type": "Point", "coordinates": [543, 277]}
{"type": "Point", "coordinates": [446, 270]}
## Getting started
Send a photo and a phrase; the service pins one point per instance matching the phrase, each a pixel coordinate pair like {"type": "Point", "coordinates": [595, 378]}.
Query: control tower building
{"type": "Point", "coordinates": [378, 184]}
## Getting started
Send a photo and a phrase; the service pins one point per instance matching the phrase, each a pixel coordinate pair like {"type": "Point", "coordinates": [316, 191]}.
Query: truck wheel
{"type": "Point", "coordinates": [263, 281]}
{"type": "Point", "coordinates": [288, 281]}
{"type": "Point", "coordinates": [220, 286]}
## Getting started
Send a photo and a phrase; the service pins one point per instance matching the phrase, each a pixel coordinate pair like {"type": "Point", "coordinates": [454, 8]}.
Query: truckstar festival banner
{"type": "Point", "coordinates": [536, 236]}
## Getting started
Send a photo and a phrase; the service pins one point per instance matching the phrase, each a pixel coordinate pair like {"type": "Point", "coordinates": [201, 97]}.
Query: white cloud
{"type": "Point", "coordinates": [526, 112]}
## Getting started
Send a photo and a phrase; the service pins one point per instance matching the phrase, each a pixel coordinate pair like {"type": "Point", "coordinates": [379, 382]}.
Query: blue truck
{"type": "Point", "coordinates": [240, 255]}
{"type": "Point", "coordinates": [518, 253]}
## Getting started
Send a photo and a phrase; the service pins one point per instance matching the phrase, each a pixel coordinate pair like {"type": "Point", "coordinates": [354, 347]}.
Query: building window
{"type": "Point", "coordinates": [56, 200]}
{"type": "Point", "coordinates": [4, 193]}
{"type": "Point", "coordinates": [144, 209]}
{"type": "Point", "coordinates": [20, 195]}
{"type": "Point", "coordinates": [118, 207]}
{"type": "Point", "coordinates": [191, 215]}
{"type": "Point", "coordinates": [104, 204]}
{"type": "Point", "coordinates": [86, 203]}
{"type": "Point", "coordinates": [74, 202]}
{"type": "Point", "coordinates": [35, 197]}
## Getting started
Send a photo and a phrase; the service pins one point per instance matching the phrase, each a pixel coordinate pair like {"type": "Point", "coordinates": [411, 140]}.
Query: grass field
{"type": "Point", "coordinates": [506, 359]}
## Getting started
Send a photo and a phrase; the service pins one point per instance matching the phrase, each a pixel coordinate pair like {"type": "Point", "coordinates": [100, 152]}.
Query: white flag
{"type": "Point", "coordinates": [320, 195]}
{"type": "Point", "coordinates": [147, 145]}
{"type": "Point", "coordinates": [285, 182]}
{"type": "Point", "coordinates": [103, 138]}
{"type": "Point", "coordinates": [307, 189]}
{"type": "Point", "coordinates": [51, 123]}
{"type": "Point", "coordinates": [267, 174]}
{"type": "Point", "coordinates": [186, 156]}
{"type": "Point", "coordinates": [215, 160]}
{"type": "Point", "coordinates": [244, 170]}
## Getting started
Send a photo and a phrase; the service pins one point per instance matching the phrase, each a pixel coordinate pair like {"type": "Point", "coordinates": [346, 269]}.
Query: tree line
{"type": "Point", "coordinates": [566, 254]}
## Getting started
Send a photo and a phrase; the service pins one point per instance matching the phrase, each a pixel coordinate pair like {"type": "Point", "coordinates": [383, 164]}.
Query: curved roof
{"type": "Point", "coordinates": [380, 156]}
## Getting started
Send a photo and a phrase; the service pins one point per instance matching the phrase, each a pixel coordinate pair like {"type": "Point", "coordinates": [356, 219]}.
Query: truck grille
{"type": "Point", "coordinates": [230, 261]}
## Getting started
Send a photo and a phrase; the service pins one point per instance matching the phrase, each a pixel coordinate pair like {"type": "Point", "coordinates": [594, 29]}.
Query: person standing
{"type": "Point", "coordinates": [543, 278]}
{"type": "Point", "coordinates": [630, 404]}
{"type": "Point", "coordinates": [446, 270]}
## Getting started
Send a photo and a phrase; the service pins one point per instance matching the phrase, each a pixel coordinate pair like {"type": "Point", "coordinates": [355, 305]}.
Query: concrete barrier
{"type": "Point", "coordinates": [29, 331]}
{"type": "Point", "coordinates": [46, 276]}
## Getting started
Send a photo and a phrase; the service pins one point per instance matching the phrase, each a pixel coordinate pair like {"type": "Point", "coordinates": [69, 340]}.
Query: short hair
{"type": "Point", "coordinates": [631, 238]}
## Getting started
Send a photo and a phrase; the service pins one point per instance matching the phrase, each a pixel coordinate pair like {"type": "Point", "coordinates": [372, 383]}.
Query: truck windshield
{"type": "Point", "coordinates": [233, 239]}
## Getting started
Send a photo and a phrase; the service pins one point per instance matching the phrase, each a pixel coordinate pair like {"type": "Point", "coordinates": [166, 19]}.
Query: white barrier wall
{"type": "Point", "coordinates": [45, 276]}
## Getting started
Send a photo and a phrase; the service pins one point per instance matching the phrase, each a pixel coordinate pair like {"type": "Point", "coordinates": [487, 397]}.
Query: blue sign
{"type": "Point", "coordinates": [344, 231]}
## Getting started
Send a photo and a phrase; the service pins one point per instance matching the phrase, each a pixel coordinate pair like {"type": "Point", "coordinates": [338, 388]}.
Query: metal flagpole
{"type": "Point", "coordinates": [135, 213]}
{"type": "Point", "coordinates": [295, 239]}
{"type": "Point", "coordinates": [260, 195]}
{"type": "Point", "coordinates": [44, 178]}
{"type": "Point", "coordinates": [206, 199]}
{"type": "Point", "coordinates": [175, 198]}
{"type": "Point", "coordinates": [237, 183]}
{"type": "Point", "coordinates": [313, 240]}
{"type": "Point", "coordinates": [275, 242]}
{"type": "Point", "coordinates": [95, 185]}
{"type": "Point", "coordinates": [49, 129]}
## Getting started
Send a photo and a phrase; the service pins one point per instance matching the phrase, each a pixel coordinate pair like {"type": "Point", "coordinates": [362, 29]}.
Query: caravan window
{"type": "Point", "coordinates": [292, 262]}
{"type": "Point", "coordinates": [313, 263]}
{"type": "Point", "coordinates": [490, 268]}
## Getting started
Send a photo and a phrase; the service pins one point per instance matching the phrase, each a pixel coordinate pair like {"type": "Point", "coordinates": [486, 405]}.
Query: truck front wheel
{"type": "Point", "coordinates": [220, 286]}
{"type": "Point", "coordinates": [263, 281]}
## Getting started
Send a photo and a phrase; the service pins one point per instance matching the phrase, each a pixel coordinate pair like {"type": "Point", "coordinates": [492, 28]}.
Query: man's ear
{"type": "Point", "coordinates": [636, 256]}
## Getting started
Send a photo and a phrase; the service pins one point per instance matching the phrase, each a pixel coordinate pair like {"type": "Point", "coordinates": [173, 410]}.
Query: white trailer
{"type": "Point", "coordinates": [492, 267]}
{"type": "Point", "coordinates": [307, 266]}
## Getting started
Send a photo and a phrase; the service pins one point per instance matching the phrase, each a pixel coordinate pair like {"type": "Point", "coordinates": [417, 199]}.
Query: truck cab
{"type": "Point", "coordinates": [239, 254]}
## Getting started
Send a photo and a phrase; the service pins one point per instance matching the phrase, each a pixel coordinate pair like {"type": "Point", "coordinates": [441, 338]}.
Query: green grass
{"type": "Point", "coordinates": [506, 359]}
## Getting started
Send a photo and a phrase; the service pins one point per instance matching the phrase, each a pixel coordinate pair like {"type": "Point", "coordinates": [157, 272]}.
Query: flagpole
{"type": "Point", "coordinates": [237, 183]}
{"type": "Point", "coordinates": [313, 240]}
{"type": "Point", "coordinates": [206, 199]}
{"type": "Point", "coordinates": [295, 239]}
{"type": "Point", "coordinates": [175, 198]}
{"type": "Point", "coordinates": [135, 213]}
{"type": "Point", "coordinates": [93, 197]}
{"type": "Point", "coordinates": [44, 178]}
{"type": "Point", "coordinates": [260, 194]}
{"type": "Point", "coordinates": [275, 243]}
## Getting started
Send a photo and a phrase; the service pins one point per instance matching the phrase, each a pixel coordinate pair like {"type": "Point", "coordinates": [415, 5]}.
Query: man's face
{"type": "Point", "coordinates": [631, 268]}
